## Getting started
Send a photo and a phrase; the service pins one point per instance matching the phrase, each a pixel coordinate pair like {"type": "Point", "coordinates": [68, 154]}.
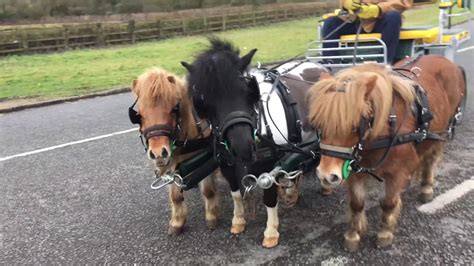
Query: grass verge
{"type": "Point", "coordinates": [85, 71]}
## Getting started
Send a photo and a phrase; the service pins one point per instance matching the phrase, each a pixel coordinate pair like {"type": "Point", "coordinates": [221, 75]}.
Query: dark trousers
{"type": "Point", "coordinates": [388, 25]}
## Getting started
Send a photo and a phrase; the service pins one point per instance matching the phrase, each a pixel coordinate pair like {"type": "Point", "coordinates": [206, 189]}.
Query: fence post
{"type": "Point", "coordinates": [100, 41]}
{"type": "Point", "coordinates": [24, 39]}
{"type": "Point", "coordinates": [205, 23]}
{"type": "Point", "coordinates": [224, 26]}
{"type": "Point", "coordinates": [286, 14]}
{"type": "Point", "coordinates": [254, 18]}
{"type": "Point", "coordinates": [185, 29]}
{"type": "Point", "coordinates": [66, 36]}
{"type": "Point", "coordinates": [158, 27]}
{"type": "Point", "coordinates": [131, 30]}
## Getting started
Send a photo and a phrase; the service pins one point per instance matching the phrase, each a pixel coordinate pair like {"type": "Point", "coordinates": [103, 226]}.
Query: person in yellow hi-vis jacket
{"type": "Point", "coordinates": [381, 16]}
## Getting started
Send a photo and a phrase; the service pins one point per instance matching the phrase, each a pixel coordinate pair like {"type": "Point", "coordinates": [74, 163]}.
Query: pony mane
{"type": "Point", "coordinates": [158, 85]}
{"type": "Point", "coordinates": [216, 74]}
{"type": "Point", "coordinates": [338, 104]}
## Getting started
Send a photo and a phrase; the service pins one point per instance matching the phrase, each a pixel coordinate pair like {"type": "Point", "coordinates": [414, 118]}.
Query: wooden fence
{"type": "Point", "coordinates": [66, 37]}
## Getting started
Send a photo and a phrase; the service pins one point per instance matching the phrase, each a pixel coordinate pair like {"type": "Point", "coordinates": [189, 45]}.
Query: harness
{"type": "Point", "coordinates": [159, 130]}
{"type": "Point", "coordinates": [421, 111]}
{"type": "Point", "coordinates": [293, 120]}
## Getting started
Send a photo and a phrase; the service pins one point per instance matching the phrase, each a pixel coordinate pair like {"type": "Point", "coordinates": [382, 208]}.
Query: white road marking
{"type": "Point", "coordinates": [465, 49]}
{"type": "Point", "coordinates": [335, 261]}
{"type": "Point", "coordinates": [67, 144]}
{"type": "Point", "coordinates": [448, 197]}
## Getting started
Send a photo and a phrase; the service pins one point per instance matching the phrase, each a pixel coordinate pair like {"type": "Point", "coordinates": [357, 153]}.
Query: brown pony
{"type": "Point", "coordinates": [370, 91]}
{"type": "Point", "coordinates": [159, 93]}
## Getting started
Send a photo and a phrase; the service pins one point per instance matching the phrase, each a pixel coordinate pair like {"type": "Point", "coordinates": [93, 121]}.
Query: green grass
{"type": "Point", "coordinates": [85, 71]}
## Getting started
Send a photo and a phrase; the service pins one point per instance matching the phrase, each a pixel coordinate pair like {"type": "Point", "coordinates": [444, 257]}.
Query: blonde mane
{"type": "Point", "coordinates": [160, 87]}
{"type": "Point", "coordinates": [337, 104]}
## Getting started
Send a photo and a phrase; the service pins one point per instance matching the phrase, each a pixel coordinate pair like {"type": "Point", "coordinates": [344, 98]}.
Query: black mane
{"type": "Point", "coordinates": [216, 75]}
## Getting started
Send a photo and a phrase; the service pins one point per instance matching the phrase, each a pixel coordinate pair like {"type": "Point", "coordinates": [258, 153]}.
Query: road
{"type": "Point", "coordinates": [90, 202]}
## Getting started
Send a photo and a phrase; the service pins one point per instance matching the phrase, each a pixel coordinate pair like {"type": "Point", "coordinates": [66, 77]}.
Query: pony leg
{"type": "Point", "coordinates": [358, 220]}
{"type": "Point", "coordinates": [238, 221]}
{"type": "Point", "coordinates": [428, 172]}
{"type": "Point", "coordinates": [178, 210]}
{"type": "Point", "coordinates": [289, 196]}
{"type": "Point", "coordinates": [211, 203]}
{"type": "Point", "coordinates": [271, 235]}
{"type": "Point", "coordinates": [391, 206]}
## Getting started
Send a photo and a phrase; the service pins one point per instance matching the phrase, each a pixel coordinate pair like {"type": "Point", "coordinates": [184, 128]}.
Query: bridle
{"type": "Point", "coordinates": [352, 155]}
{"type": "Point", "coordinates": [221, 145]}
{"type": "Point", "coordinates": [158, 130]}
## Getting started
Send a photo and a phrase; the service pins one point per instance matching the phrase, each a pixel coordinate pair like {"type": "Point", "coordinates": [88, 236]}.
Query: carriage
{"type": "Point", "coordinates": [281, 145]}
{"type": "Point", "coordinates": [441, 39]}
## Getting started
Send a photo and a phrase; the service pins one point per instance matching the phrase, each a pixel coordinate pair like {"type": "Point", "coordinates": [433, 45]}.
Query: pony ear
{"type": "Point", "coordinates": [325, 75]}
{"type": "Point", "coordinates": [370, 85]}
{"type": "Point", "coordinates": [246, 59]}
{"type": "Point", "coordinates": [171, 79]}
{"type": "Point", "coordinates": [188, 66]}
{"type": "Point", "coordinates": [134, 87]}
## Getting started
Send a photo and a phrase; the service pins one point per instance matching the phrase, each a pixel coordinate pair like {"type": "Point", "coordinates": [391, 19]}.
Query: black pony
{"type": "Point", "coordinates": [223, 94]}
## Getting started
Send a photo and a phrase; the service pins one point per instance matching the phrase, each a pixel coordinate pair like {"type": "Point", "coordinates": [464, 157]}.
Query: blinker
{"type": "Point", "coordinates": [133, 115]}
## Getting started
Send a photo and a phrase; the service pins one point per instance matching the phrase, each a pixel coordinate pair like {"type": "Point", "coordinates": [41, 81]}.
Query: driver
{"type": "Point", "coordinates": [381, 16]}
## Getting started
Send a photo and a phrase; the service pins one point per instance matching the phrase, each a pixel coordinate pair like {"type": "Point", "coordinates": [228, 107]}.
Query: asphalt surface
{"type": "Point", "coordinates": [91, 202]}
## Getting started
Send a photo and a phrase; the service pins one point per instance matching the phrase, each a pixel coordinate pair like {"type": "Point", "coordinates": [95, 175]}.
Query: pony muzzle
{"type": "Point", "coordinates": [159, 150]}
{"type": "Point", "coordinates": [330, 172]}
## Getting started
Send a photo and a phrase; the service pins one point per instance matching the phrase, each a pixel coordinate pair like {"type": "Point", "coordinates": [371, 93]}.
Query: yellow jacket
{"type": "Point", "coordinates": [385, 6]}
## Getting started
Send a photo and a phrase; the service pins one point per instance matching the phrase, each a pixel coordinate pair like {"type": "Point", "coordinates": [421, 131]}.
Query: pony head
{"type": "Point", "coordinates": [161, 98]}
{"type": "Point", "coordinates": [221, 94]}
{"type": "Point", "coordinates": [339, 103]}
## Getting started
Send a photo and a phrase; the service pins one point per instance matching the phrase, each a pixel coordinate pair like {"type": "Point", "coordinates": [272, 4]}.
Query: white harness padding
{"type": "Point", "coordinates": [276, 111]}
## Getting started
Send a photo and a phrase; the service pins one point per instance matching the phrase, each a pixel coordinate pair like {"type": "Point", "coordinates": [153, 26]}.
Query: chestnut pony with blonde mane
{"type": "Point", "coordinates": [159, 93]}
{"type": "Point", "coordinates": [370, 91]}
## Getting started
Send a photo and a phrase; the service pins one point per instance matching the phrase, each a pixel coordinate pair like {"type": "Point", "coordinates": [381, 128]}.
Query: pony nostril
{"type": "Point", "coordinates": [164, 153]}
{"type": "Point", "coordinates": [151, 155]}
{"type": "Point", "coordinates": [333, 178]}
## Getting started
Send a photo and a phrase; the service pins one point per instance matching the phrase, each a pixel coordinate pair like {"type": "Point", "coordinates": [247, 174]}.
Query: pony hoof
{"type": "Point", "coordinates": [351, 245]}
{"type": "Point", "coordinates": [175, 230]}
{"type": "Point", "coordinates": [270, 242]}
{"type": "Point", "coordinates": [325, 191]}
{"type": "Point", "coordinates": [351, 241]}
{"type": "Point", "coordinates": [426, 197]}
{"type": "Point", "coordinates": [291, 200]}
{"type": "Point", "coordinates": [211, 224]}
{"type": "Point", "coordinates": [237, 229]}
{"type": "Point", "coordinates": [384, 239]}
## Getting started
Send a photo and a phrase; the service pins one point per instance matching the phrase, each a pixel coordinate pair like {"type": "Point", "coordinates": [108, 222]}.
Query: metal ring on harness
{"type": "Point", "coordinates": [416, 71]}
{"type": "Point", "coordinates": [249, 181]}
{"type": "Point", "coordinates": [167, 179]}
{"type": "Point", "coordinates": [289, 177]}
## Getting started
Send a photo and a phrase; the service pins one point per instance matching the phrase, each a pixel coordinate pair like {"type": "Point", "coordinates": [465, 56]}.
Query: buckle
{"type": "Point", "coordinates": [392, 118]}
